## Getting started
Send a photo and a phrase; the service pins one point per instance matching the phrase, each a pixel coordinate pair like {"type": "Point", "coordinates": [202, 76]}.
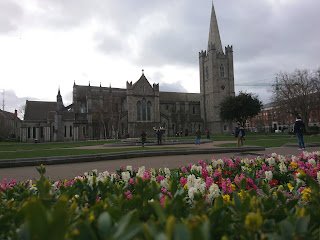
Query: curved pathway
{"type": "Point", "coordinates": [68, 171]}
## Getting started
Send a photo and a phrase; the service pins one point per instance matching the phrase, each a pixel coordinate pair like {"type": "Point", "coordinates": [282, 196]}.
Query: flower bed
{"type": "Point", "coordinates": [274, 197]}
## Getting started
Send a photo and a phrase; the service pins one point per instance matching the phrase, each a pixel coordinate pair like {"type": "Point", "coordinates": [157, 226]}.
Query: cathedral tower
{"type": "Point", "coordinates": [216, 79]}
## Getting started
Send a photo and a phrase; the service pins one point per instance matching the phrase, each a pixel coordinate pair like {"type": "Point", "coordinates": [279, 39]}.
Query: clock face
{"type": "Point", "coordinates": [223, 87]}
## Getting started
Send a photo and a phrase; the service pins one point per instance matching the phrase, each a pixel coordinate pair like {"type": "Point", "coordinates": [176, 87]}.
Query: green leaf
{"type": "Point", "coordinates": [104, 224]}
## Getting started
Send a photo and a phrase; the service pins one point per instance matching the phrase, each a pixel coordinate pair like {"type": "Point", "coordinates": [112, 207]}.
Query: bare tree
{"type": "Point", "coordinates": [297, 93]}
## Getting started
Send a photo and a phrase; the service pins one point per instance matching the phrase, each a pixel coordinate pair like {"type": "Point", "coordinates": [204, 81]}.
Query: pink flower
{"type": "Point", "coordinates": [183, 181]}
{"type": "Point", "coordinates": [209, 181]}
{"type": "Point", "coordinates": [131, 181]}
{"type": "Point", "coordinates": [160, 178]}
{"type": "Point", "coordinates": [184, 170]}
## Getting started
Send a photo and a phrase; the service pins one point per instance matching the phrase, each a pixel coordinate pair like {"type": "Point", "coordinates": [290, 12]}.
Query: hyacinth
{"type": "Point", "coordinates": [206, 180]}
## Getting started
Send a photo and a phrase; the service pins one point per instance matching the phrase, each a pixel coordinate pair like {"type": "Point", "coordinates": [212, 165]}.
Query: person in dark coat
{"type": "Point", "coordinates": [143, 137]}
{"type": "Point", "coordinates": [239, 133]}
{"type": "Point", "coordinates": [299, 129]}
{"type": "Point", "coordinates": [198, 137]}
{"type": "Point", "coordinates": [159, 136]}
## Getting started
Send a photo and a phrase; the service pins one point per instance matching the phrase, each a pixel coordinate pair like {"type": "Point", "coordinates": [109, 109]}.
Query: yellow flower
{"type": "Point", "coordinates": [226, 198]}
{"type": "Point", "coordinates": [294, 164]}
{"type": "Point", "coordinates": [185, 186]}
{"type": "Point", "coordinates": [253, 221]}
{"type": "Point", "coordinates": [233, 187]}
{"type": "Point", "coordinates": [300, 211]}
{"type": "Point", "coordinates": [306, 194]}
{"type": "Point", "coordinates": [91, 217]}
{"type": "Point", "coordinates": [75, 232]}
{"type": "Point", "coordinates": [290, 186]}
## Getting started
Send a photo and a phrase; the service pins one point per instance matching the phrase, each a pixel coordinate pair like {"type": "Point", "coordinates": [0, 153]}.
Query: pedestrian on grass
{"type": "Point", "coordinates": [143, 137]}
{"type": "Point", "coordinates": [299, 129]}
{"type": "Point", "coordinates": [239, 133]}
{"type": "Point", "coordinates": [159, 136]}
{"type": "Point", "coordinates": [198, 137]}
{"type": "Point", "coordinates": [208, 134]}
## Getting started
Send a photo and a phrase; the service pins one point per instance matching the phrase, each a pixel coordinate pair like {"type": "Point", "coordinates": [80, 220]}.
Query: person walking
{"type": "Point", "coordinates": [299, 129]}
{"type": "Point", "coordinates": [239, 133]}
{"type": "Point", "coordinates": [159, 136]}
{"type": "Point", "coordinates": [208, 134]}
{"type": "Point", "coordinates": [198, 137]}
{"type": "Point", "coordinates": [143, 137]}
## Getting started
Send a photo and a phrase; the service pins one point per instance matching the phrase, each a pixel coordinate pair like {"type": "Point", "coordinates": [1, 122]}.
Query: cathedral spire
{"type": "Point", "coordinates": [214, 36]}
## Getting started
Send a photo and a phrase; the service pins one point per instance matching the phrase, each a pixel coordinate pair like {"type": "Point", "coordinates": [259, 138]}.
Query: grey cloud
{"type": "Point", "coordinates": [11, 14]}
{"type": "Point", "coordinates": [12, 101]}
{"type": "Point", "coordinates": [172, 87]}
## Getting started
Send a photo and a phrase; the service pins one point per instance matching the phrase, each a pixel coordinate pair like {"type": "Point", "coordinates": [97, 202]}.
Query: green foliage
{"type": "Point", "coordinates": [240, 107]}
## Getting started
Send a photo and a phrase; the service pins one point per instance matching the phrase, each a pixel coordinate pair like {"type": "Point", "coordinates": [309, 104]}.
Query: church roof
{"type": "Point", "coordinates": [83, 90]}
{"type": "Point", "coordinates": [38, 110]}
{"type": "Point", "coordinates": [179, 97]}
{"type": "Point", "coordinates": [214, 35]}
{"type": "Point", "coordinates": [7, 115]}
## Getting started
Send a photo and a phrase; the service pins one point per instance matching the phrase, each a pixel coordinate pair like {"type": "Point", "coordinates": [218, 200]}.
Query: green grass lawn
{"type": "Point", "coordinates": [69, 152]}
{"type": "Point", "coordinates": [271, 142]}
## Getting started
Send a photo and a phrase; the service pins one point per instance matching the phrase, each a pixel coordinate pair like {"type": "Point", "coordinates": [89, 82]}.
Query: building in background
{"type": "Point", "coordinates": [9, 126]}
{"type": "Point", "coordinates": [100, 112]}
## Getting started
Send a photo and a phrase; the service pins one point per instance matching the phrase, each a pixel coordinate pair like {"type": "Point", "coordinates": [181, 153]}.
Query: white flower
{"type": "Point", "coordinates": [209, 169]}
{"type": "Point", "coordinates": [125, 176]}
{"type": "Point", "coordinates": [216, 163]}
{"type": "Point", "coordinates": [164, 183]}
{"type": "Point", "coordinates": [167, 172]}
{"type": "Point", "coordinates": [244, 168]}
{"type": "Point", "coordinates": [268, 175]}
{"type": "Point", "coordinates": [191, 181]}
{"type": "Point", "coordinates": [300, 181]}
{"type": "Point", "coordinates": [245, 161]}
{"type": "Point", "coordinates": [274, 155]}
{"type": "Point", "coordinates": [191, 193]}
{"type": "Point", "coordinates": [312, 162]}
{"type": "Point", "coordinates": [112, 177]}
{"type": "Point", "coordinates": [283, 168]}
{"type": "Point", "coordinates": [214, 192]}
{"type": "Point", "coordinates": [271, 161]}
{"type": "Point", "coordinates": [196, 168]}
{"type": "Point", "coordinates": [318, 177]}
{"type": "Point", "coordinates": [282, 158]}
{"type": "Point", "coordinates": [129, 168]}
{"type": "Point", "coordinates": [141, 171]}
{"type": "Point", "coordinates": [94, 171]}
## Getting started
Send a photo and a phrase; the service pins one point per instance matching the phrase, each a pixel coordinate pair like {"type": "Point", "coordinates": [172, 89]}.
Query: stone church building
{"type": "Point", "coordinates": [100, 112]}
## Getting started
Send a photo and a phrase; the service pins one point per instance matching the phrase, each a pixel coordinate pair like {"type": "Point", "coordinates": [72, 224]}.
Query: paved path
{"type": "Point", "coordinates": [68, 171]}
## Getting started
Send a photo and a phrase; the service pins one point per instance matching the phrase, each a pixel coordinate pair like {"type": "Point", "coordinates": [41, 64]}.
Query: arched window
{"type": "Point", "coordinates": [143, 106]}
{"type": "Point", "coordinates": [149, 111]}
{"type": "Point", "coordinates": [193, 110]}
{"type": "Point", "coordinates": [139, 111]}
{"type": "Point", "coordinates": [221, 71]}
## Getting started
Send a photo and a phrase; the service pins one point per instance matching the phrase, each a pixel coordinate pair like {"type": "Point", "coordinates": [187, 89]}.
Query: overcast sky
{"type": "Point", "coordinates": [45, 44]}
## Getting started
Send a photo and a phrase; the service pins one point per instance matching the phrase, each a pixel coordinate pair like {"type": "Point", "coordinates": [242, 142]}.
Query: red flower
{"type": "Point", "coordinates": [273, 183]}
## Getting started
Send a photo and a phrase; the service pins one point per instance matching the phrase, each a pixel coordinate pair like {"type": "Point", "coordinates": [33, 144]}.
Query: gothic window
{"type": "Point", "coordinates": [70, 131]}
{"type": "Point", "coordinates": [144, 109]}
{"type": "Point", "coordinates": [207, 72]}
{"type": "Point", "coordinates": [193, 110]}
{"type": "Point", "coordinates": [41, 132]}
{"type": "Point", "coordinates": [34, 132]}
{"type": "Point", "coordinates": [29, 132]}
{"type": "Point", "coordinates": [83, 108]}
{"type": "Point", "coordinates": [139, 111]}
{"type": "Point", "coordinates": [149, 111]}
{"type": "Point", "coordinates": [65, 131]}
{"type": "Point", "coordinates": [221, 71]}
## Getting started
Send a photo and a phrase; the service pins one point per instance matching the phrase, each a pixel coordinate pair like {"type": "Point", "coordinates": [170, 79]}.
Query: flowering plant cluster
{"type": "Point", "coordinates": [270, 197]}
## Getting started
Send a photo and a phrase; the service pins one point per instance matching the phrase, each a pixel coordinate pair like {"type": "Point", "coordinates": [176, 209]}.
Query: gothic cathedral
{"type": "Point", "coordinates": [216, 79]}
{"type": "Point", "coordinates": [100, 112]}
